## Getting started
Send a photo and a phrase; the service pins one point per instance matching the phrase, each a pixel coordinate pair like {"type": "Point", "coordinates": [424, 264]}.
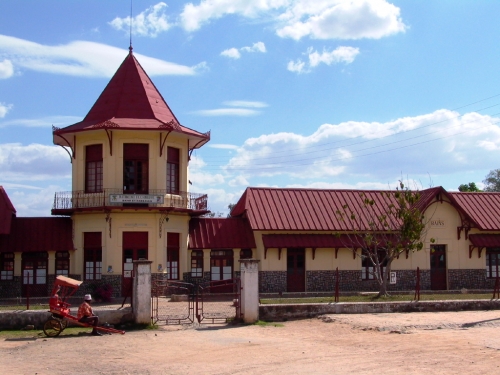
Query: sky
{"type": "Point", "coordinates": [327, 94]}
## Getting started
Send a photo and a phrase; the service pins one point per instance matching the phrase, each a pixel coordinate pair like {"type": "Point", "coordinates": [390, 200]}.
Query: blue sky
{"type": "Point", "coordinates": [296, 93]}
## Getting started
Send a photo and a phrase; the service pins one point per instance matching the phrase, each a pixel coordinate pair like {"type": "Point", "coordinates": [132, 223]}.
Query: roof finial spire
{"type": "Point", "coordinates": [130, 47]}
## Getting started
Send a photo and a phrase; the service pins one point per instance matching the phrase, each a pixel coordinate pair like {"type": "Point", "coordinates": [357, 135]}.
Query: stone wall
{"type": "Point", "coordinates": [349, 281]}
{"type": "Point", "coordinates": [271, 313]}
{"type": "Point", "coordinates": [272, 281]}
{"type": "Point", "coordinates": [469, 279]}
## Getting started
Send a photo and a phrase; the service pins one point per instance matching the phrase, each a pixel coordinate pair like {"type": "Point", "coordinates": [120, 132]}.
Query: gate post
{"type": "Point", "coordinates": [141, 293]}
{"type": "Point", "coordinates": [249, 290]}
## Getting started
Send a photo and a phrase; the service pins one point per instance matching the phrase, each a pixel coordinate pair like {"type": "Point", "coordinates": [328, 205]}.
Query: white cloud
{"type": "Point", "coordinates": [337, 19]}
{"type": "Point", "coordinates": [4, 108]}
{"type": "Point", "coordinates": [223, 146]}
{"type": "Point", "coordinates": [319, 19]}
{"type": "Point", "coordinates": [245, 103]}
{"type": "Point", "coordinates": [256, 47]}
{"type": "Point", "coordinates": [57, 121]}
{"type": "Point", "coordinates": [431, 143]}
{"type": "Point", "coordinates": [150, 22]}
{"type": "Point", "coordinates": [6, 69]}
{"type": "Point", "coordinates": [80, 58]}
{"type": "Point", "coordinates": [238, 181]}
{"type": "Point", "coordinates": [34, 162]}
{"type": "Point", "coordinates": [33, 201]}
{"type": "Point", "coordinates": [341, 54]}
{"type": "Point", "coordinates": [296, 66]}
{"type": "Point", "coordinates": [234, 53]}
{"type": "Point", "coordinates": [227, 112]}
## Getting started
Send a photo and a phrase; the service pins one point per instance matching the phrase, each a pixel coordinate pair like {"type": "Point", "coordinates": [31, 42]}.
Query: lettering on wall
{"type": "Point", "coordinates": [437, 223]}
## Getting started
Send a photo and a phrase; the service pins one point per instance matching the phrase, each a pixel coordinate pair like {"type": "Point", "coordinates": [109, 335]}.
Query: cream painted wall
{"type": "Point", "coordinates": [113, 164]}
{"type": "Point", "coordinates": [130, 222]}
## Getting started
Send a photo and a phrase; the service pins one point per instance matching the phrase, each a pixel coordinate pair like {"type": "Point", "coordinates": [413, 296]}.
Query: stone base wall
{"type": "Point", "coordinates": [186, 277]}
{"type": "Point", "coordinates": [272, 281]}
{"type": "Point", "coordinates": [349, 281]}
{"type": "Point", "coordinates": [469, 279]}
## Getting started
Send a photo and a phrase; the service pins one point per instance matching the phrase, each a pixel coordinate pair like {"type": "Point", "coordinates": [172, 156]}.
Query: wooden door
{"type": "Point", "coordinates": [135, 247]}
{"type": "Point", "coordinates": [34, 266]}
{"type": "Point", "coordinates": [438, 267]}
{"type": "Point", "coordinates": [296, 270]}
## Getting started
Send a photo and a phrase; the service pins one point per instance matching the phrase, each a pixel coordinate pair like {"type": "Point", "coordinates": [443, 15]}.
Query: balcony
{"type": "Point", "coordinates": [67, 202]}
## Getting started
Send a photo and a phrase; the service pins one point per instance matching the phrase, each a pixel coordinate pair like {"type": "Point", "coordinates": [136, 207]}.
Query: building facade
{"type": "Point", "coordinates": [130, 200]}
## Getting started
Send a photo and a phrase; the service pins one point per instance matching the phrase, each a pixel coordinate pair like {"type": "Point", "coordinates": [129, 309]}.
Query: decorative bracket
{"type": "Point", "coordinates": [279, 253]}
{"type": "Point", "coordinates": [108, 220]}
{"type": "Point", "coordinates": [466, 226]}
{"type": "Point", "coordinates": [314, 252]}
{"type": "Point", "coordinates": [163, 218]}
{"type": "Point", "coordinates": [110, 140]}
{"type": "Point", "coordinates": [336, 252]}
{"type": "Point", "coordinates": [162, 142]}
{"type": "Point", "coordinates": [479, 250]}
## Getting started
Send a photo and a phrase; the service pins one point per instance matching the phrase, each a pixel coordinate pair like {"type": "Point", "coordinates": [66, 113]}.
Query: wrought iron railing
{"type": "Point", "coordinates": [70, 200]}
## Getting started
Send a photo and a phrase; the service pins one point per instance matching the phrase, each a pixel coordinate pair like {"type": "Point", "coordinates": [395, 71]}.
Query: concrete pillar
{"type": "Point", "coordinates": [141, 295]}
{"type": "Point", "coordinates": [249, 290]}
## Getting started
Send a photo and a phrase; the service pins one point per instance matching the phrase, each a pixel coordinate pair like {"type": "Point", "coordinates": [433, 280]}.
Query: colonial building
{"type": "Point", "coordinates": [130, 200]}
{"type": "Point", "coordinates": [301, 239]}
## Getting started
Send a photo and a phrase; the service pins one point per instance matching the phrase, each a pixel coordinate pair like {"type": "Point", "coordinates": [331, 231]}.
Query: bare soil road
{"type": "Point", "coordinates": [416, 343]}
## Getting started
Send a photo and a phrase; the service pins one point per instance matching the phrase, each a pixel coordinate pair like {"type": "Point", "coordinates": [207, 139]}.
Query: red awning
{"type": "Point", "coordinates": [220, 233]}
{"type": "Point", "coordinates": [281, 241]}
{"type": "Point", "coordinates": [29, 234]}
{"type": "Point", "coordinates": [485, 240]}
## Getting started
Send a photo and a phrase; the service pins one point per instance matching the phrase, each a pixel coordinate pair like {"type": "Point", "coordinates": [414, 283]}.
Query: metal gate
{"type": "Point", "coordinates": [176, 302]}
{"type": "Point", "coordinates": [219, 302]}
{"type": "Point", "coordinates": [173, 302]}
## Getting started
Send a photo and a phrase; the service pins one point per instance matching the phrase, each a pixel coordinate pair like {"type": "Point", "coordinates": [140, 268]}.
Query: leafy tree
{"type": "Point", "coordinates": [386, 230]}
{"type": "Point", "coordinates": [470, 187]}
{"type": "Point", "coordinates": [492, 181]}
{"type": "Point", "coordinates": [230, 207]}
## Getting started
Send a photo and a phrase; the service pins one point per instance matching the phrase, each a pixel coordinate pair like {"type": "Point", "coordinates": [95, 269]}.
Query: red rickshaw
{"type": "Point", "coordinates": [65, 287]}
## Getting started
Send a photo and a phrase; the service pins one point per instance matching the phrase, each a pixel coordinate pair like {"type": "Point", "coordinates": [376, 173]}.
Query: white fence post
{"type": "Point", "coordinates": [249, 290]}
{"type": "Point", "coordinates": [141, 295]}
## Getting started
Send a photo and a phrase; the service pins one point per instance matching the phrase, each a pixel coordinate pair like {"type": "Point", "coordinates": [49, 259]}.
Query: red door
{"type": "Point", "coordinates": [438, 267]}
{"type": "Point", "coordinates": [296, 270]}
{"type": "Point", "coordinates": [135, 247]}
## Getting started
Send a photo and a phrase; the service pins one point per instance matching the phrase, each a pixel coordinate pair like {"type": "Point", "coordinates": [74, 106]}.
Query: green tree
{"type": "Point", "coordinates": [470, 187]}
{"type": "Point", "coordinates": [385, 230]}
{"type": "Point", "coordinates": [492, 181]}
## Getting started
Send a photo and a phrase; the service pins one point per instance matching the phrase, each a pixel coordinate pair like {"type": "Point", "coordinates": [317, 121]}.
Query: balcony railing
{"type": "Point", "coordinates": [72, 200]}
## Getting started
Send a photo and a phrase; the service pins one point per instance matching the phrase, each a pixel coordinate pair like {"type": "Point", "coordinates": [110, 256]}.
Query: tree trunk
{"type": "Point", "coordinates": [383, 284]}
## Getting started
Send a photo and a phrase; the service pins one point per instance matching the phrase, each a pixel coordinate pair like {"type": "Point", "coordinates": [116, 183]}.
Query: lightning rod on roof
{"type": "Point", "coordinates": [130, 47]}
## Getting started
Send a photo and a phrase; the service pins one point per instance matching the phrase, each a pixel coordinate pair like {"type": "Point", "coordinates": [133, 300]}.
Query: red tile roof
{"type": "Point", "coordinates": [485, 240]}
{"type": "Point", "coordinates": [221, 233]}
{"type": "Point", "coordinates": [7, 212]}
{"type": "Point", "coordinates": [311, 209]}
{"type": "Point", "coordinates": [130, 101]}
{"type": "Point", "coordinates": [483, 208]}
{"type": "Point", "coordinates": [329, 210]}
{"type": "Point", "coordinates": [30, 234]}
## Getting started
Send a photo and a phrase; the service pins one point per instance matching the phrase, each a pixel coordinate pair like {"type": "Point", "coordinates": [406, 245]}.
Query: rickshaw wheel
{"type": "Point", "coordinates": [64, 324]}
{"type": "Point", "coordinates": [52, 327]}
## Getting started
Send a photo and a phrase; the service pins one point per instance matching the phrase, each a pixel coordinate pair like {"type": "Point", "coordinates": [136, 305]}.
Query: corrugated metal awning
{"type": "Point", "coordinates": [485, 240]}
{"type": "Point", "coordinates": [220, 233]}
{"type": "Point", "coordinates": [304, 240]}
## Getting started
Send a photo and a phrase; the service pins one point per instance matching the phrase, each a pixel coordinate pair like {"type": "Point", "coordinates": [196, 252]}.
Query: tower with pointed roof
{"type": "Point", "coordinates": [130, 195]}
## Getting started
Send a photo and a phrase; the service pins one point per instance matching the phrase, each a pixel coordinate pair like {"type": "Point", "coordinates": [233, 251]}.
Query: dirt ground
{"type": "Point", "coordinates": [415, 343]}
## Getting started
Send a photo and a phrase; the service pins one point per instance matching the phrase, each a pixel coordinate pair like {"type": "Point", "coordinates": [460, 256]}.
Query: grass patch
{"type": "Point", "coordinates": [38, 333]}
{"type": "Point", "coordinates": [262, 323]}
{"type": "Point", "coordinates": [373, 298]}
